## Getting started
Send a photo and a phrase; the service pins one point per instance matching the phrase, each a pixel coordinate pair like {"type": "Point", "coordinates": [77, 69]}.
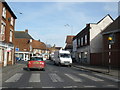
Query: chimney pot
{"type": "Point", "coordinates": [26, 30]}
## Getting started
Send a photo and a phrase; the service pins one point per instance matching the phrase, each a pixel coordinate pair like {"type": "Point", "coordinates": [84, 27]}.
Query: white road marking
{"type": "Point", "coordinates": [48, 87]}
{"type": "Point", "coordinates": [89, 86]}
{"type": "Point", "coordinates": [25, 87]}
{"type": "Point", "coordinates": [108, 77]}
{"type": "Point", "coordinates": [35, 77]}
{"type": "Point", "coordinates": [110, 85]}
{"type": "Point", "coordinates": [74, 78]}
{"type": "Point", "coordinates": [70, 87]}
{"type": "Point", "coordinates": [55, 78]}
{"type": "Point", "coordinates": [14, 78]}
{"type": "Point", "coordinates": [91, 77]}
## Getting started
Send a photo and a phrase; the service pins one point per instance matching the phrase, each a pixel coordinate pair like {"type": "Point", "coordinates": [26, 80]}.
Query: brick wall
{"type": "Point", "coordinates": [22, 44]}
{"type": "Point", "coordinates": [115, 51]}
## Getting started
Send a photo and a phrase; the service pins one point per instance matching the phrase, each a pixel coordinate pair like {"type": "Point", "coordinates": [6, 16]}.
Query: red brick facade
{"type": "Point", "coordinates": [7, 34]}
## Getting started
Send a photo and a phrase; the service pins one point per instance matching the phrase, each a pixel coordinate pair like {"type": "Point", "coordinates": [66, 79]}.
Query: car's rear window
{"type": "Point", "coordinates": [36, 59]}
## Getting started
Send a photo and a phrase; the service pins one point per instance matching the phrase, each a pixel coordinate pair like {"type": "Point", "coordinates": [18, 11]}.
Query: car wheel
{"type": "Point", "coordinates": [43, 69]}
{"type": "Point", "coordinates": [28, 69]}
{"type": "Point", "coordinates": [59, 64]}
{"type": "Point", "coordinates": [54, 63]}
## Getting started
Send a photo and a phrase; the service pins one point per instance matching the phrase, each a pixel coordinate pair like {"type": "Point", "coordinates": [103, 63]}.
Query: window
{"type": "Point", "coordinates": [36, 59]}
{"type": "Point", "coordinates": [11, 21]}
{"type": "Point", "coordinates": [0, 54]}
{"type": "Point", "coordinates": [85, 39]}
{"type": "Point", "coordinates": [10, 56]}
{"type": "Point", "coordinates": [78, 42]}
{"type": "Point", "coordinates": [4, 12]}
{"type": "Point", "coordinates": [11, 34]}
{"type": "Point", "coordinates": [81, 41]}
{"type": "Point", "coordinates": [2, 31]}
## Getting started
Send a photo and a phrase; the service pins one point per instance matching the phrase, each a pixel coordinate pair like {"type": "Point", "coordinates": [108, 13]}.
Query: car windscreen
{"type": "Point", "coordinates": [36, 59]}
{"type": "Point", "coordinates": [65, 55]}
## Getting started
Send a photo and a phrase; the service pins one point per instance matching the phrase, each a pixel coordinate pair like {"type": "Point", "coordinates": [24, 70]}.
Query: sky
{"type": "Point", "coordinates": [46, 20]}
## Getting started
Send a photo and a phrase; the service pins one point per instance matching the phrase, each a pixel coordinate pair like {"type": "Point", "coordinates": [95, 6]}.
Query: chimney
{"type": "Point", "coordinates": [87, 25]}
{"type": "Point", "coordinates": [26, 30]}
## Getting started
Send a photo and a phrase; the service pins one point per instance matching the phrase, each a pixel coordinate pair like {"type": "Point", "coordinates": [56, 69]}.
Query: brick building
{"type": "Point", "coordinates": [22, 43]}
{"type": "Point", "coordinates": [111, 49]}
{"type": "Point", "coordinates": [40, 49]}
{"type": "Point", "coordinates": [7, 24]}
{"type": "Point", "coordinates": [69, 44]}
{"type": "Point", "coordinates": [88, 42]}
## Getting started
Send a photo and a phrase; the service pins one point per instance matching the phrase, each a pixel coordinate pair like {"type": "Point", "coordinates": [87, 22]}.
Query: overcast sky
{"type": "Point", "coordinates": [46, 20]}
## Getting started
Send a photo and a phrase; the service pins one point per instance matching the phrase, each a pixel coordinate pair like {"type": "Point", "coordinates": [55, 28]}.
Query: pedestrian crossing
{"type": "Point", "coordinates": [14, 78]}
{"type": "Point", "coordinates": [55, 77]}
{"type": "Point", "coordinates": [35, 78]}
{"type": "Point", "coordinates": [91, 77]}
{"type": "Point", "coordinates": [74, 78]}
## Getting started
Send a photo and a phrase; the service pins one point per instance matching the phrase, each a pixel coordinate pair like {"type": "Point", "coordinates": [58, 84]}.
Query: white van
{"type": "Point", "coordinates": [62, 57]}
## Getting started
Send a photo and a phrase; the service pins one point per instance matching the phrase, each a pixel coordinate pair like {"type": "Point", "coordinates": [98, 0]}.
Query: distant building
{"type": "Point", "coordinates": [22, 43]}
{"type": "Point", "coordinates": [69, 44]}
{"type": "Point", "coordinates": [7, 25]}
{"type": "Point", "coordinates": [39, 49]}
{"type": "Point", "coordinates": [111, 49]}
{"type": "Point", "coordinates": [88, 44]}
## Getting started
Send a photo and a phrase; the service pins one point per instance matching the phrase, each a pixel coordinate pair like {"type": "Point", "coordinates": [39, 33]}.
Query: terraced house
{"type": "Point", "coordinates": [7, 24]}
{"type": "Point", "coordinates": [23, 47]}
{"type": "Point", "coordinates": [88, 43]}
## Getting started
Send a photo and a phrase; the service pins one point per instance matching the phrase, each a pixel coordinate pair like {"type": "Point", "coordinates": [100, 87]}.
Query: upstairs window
{"type": "Point", "coordinates": [11, 34]}
{"type": "Point", "coordinates": [85, 39]}
{"type": "Point", "coordinates": [11, 21]}
{"type": "Point", "coordinates": [78, 42]}
{"type": "Point", "coordinates": [2, 31]}
{"type": "Point", "coordinates": [82, 41]}
{"type": "Point", "coordinates": [4, 12]}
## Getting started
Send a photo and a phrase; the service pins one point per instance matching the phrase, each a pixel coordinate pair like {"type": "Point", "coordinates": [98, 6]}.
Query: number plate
{"type": "Point", "coordinates": [36, 63]}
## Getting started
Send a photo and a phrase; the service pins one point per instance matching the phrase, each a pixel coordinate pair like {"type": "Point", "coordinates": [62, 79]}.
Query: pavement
{"type": "Point", "coordinates": [115, 72]}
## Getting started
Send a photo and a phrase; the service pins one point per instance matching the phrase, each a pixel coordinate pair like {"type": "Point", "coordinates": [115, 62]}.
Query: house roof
{"type": "Point", "coordinates": [81, 32]}
{"type": "Point", "coordinates": [113, 27]}
{"type": "Point", "coordinates": [69, 39]}
{"type": "Point", "coordinates": [9, 9]}
{"type": "Point", "coordinates": [88, 26]}
{"type": "Point", "coordinates": [22, 34]}
{"type": "Point", "coordinates": [38, 45]}
{"type": "Point", "coordinates": [69, 46]}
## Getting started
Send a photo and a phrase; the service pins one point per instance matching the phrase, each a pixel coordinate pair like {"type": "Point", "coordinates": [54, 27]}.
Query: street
{"type": "Point", "coordinates": [55, 77]}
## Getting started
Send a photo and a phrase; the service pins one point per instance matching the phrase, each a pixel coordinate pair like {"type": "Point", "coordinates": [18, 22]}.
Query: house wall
{"type": "Point", "coordinates": [84, 58]}
{"type": "Point", "coordinates": [22, 44]}
{"type": "Point", "coordinates": [0, 15]}
{"type": "Point", "coordinates": [6, 46]}
{"type": "Point", "coordinates": [96, 43]}
{"type": "Point", "coordinates": [115, 51]}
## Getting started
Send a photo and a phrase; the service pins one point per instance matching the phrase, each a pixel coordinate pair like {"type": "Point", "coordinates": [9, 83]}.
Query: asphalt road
{"type": "Point", "coordinates": [55, 77]}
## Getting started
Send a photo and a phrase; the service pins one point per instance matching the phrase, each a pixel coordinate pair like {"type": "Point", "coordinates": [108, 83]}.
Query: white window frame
{"type": "Point", "coordinates": [11, 35]}
{"type": "Point", "coordinates": [81, 41]}
{"type": "Point", "coordinates": [12, 21]}
{"type": "Point", "coordinates": [85, 39]}
{"type": "Point", "coordinates": [4, 12]}
{"type": "Point", "coordinates": [0, 54]}
{"type": "Point", "coordinates": [3, 25]}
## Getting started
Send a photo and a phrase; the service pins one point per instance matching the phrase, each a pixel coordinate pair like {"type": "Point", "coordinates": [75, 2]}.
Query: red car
{"type": "Point", "coordinates": [37, 63]}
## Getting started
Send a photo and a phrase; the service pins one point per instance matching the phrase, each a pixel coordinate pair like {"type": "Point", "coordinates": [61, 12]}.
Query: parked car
{"type": "Point", "coordinates": [18, 58]}
{"type": "Point", "coordinates": [36, 63]}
